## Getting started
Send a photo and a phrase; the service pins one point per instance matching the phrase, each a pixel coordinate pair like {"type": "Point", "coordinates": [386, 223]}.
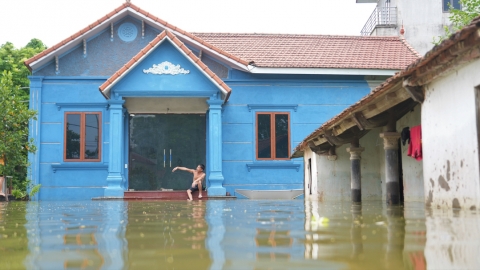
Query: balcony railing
{"type": "Point", "coordinates": [381, 17]}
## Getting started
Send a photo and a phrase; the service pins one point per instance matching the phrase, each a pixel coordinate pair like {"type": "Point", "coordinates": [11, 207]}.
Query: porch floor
{"type": "Point", "coordinates": [180, 195]}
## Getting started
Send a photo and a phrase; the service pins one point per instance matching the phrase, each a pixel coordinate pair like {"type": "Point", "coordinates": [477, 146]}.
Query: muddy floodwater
{"type": "Point", "coordinates": [235, 234]}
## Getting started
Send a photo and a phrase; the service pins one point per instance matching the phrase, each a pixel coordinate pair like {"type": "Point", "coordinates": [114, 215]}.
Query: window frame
{"type": "Point", "coordinates": [446, 9]}
{"type": "Point", "coordinates": [272, 131]}
{"type": "Point", "coordinates": [82, 136]}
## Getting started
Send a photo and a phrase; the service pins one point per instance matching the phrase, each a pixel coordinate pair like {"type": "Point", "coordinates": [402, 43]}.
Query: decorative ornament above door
{"type": "Point", "coordinates": [166, 68]}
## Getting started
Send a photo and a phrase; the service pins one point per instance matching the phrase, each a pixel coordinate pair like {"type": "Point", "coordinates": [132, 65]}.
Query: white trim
{"type": "Point", "coordinates": [323, 71]}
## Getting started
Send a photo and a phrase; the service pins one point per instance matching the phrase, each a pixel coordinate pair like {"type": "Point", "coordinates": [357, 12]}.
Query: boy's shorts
{"type": "Point", "coordinates": [192, 189]}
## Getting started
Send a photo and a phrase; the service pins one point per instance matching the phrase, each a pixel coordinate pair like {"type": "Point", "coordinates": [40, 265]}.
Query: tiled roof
{"type": "Point", "coordinates": [315, 51]}
{"type": "Point", "coordinates": [149, 48]}
{"type": "Point", "coordinates": [144, 13]}
{"type": "Point", "coordinates": [439, 60]}
{"type": "Point", "coordinates": [278, 50]}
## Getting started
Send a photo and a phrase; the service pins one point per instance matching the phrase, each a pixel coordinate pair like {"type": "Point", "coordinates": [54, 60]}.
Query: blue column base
{"type": "Point", "coordinates": [216, 188]}
{"type": "Point", "coordinates": [114, 186]}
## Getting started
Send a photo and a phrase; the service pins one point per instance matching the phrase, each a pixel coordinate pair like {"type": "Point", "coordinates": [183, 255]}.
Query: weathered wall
{"type": "Point", "coordinates": [450, 140]}
{"type": "Point", "coordinates": [422, 22]}
{"type": "Point", "coordinates": [333, 181]}
{"type": "Point", "coordinates": [412, 169]}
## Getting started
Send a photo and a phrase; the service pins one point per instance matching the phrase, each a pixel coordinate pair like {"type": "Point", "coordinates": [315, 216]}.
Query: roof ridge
{"type": "Point", "coordinates": [152, 45]}
{"type": "Point", "coordinates": [404, 41]}
{"type": "Point", "coordinates": [295, 35]}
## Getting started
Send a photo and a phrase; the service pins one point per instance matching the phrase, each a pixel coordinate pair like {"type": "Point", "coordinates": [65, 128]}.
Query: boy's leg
{"type": "Point", "coordinates": [189, 193]}
{"type": "Point", "coordinates": [200, 190]}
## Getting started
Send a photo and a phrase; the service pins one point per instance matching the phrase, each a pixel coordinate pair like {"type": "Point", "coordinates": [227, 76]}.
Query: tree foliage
{"type": "Point", "coordinates": [14, 111]}
{"type": "Point", "coordinates": [460, 18]}
{"type": "Point", "coordinates": [14, 117]}
{"type": "Point", "coordinates": [11, 59]}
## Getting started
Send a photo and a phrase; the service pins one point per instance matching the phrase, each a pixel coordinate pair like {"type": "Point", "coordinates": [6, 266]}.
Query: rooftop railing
{"type": "Point", "coordinates": [381, 17]}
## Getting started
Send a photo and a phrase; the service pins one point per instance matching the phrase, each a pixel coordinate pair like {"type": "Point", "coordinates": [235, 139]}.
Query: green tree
{"type": "Point", "coordinates": [11, 59]}
{"type": "Point", "coordinates": [14, 113]}
{"type": "Point", "coordinates": [460, 18]}
{"type": "Point", "coordinates": [14, 143]}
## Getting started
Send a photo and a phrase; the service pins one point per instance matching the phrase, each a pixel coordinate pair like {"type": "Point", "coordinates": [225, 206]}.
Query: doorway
{"type": "Point", "coordinates": [160, 142]}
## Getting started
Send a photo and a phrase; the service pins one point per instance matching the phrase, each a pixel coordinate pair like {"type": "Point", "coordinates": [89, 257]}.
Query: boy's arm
{"type": "Point", "coordinates": [183, 169]}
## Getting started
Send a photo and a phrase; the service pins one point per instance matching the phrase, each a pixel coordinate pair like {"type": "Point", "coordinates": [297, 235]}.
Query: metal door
{"type": "Point", "coordinates": [158, 143]}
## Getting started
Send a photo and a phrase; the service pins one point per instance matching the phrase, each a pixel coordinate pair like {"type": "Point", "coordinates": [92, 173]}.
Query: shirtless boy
{"type": "Point", "coordinates": [198, 176]}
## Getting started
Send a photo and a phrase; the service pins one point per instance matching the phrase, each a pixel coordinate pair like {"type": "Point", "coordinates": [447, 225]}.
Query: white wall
{"type": "Point", "coordinates": [450, 142]}
{"type": "Point", "coordinates": [308, 154]}
{"type": "Point", "coordinates": [422, 20]}
{"type": "Point", "coordinates": [412, 169]}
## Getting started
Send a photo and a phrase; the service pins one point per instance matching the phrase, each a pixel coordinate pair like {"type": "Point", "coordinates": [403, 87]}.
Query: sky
{"type": "Point", "coordinates": [54, 20]}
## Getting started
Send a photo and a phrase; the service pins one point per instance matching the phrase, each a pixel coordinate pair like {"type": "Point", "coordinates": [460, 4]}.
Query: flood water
{"type": "Point", "coordinates": [235, 234]}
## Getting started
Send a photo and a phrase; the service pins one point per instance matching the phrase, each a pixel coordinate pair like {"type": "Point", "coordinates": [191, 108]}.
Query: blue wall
{"type": "Point", "coordinates": [137, 83]}
{"type": "Point", "coordinates": [310, 100]}
{"type": "Point", "coordinates": [69, 180]}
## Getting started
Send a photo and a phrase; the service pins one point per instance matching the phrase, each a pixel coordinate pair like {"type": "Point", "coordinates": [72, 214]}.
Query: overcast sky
{"type": "Point", "coordinates": [54, 20]}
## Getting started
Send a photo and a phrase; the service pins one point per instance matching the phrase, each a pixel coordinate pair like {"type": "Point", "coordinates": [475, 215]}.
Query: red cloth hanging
{"type": "Point", "coordinates": [415, 146]}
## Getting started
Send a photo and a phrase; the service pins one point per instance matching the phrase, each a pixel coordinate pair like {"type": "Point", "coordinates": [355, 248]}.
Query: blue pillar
{"type": "Point", "coordinates": [34, 129]}
{"type": "Point", "coordinates": [115, 179]}
{"type": "Point", "coordinates": [214, 162]}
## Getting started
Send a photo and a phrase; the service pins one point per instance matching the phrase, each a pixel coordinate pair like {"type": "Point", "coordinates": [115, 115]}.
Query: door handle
{"type": "Point", "coordinates": [164, 157]}
{"type": "Point", "coordinates": [170, 158]}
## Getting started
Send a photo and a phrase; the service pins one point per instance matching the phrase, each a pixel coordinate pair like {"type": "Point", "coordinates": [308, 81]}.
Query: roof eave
{"type": "Point", "coordinates": [322, 71]}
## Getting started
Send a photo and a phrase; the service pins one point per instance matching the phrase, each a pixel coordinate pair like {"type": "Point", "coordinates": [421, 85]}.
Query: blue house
{"type": "Point", "coordinates": [129, 97]}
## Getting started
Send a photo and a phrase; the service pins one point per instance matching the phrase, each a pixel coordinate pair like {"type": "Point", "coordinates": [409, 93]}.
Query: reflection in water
{"type": "Point", "coordinates": [13, 235]}
{"type": "Point", "coordinates": [356, 232]}
{"type": "Point", "coordinates": [75, 235]}
{"type": "Point", "coordinates": [166, 235]}
{"type": "Point", "coordinates": [237, 234]}
{"type": "Point", "coordinates": [395, 237]}
{"type": "Point", "coordinates": [453, 239]}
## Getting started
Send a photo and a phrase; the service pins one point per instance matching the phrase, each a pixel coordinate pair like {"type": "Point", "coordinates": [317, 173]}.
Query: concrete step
{"type": "Point", "coordinates": [162, 195]}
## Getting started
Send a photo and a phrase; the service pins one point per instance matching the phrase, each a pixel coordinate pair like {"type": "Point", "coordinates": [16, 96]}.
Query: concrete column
{"type": "Point", "coordinates": [390, 144]}
{"type": "Point", "coordinates": [214, 162]}
{"type": "Point", "coordinates": [115, 179]}
{"type": "Point", "coordinates": [356, 176]}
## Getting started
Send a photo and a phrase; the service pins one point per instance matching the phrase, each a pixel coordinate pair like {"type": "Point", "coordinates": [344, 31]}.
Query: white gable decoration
{"type": "Point", "coordinates": [166, 68]}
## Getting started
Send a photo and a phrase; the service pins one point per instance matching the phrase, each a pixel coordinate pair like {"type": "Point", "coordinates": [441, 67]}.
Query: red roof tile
{"type": "Point", "coordinates": [316, 51]}
{"type": "Point", "coordinates": [150, 46]}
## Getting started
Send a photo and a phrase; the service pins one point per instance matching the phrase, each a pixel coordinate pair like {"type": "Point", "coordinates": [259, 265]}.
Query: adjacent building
{"type": "Point", "coordinates": [418, 21]}
{"type": "Point", "coordinates": [357, 155]}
